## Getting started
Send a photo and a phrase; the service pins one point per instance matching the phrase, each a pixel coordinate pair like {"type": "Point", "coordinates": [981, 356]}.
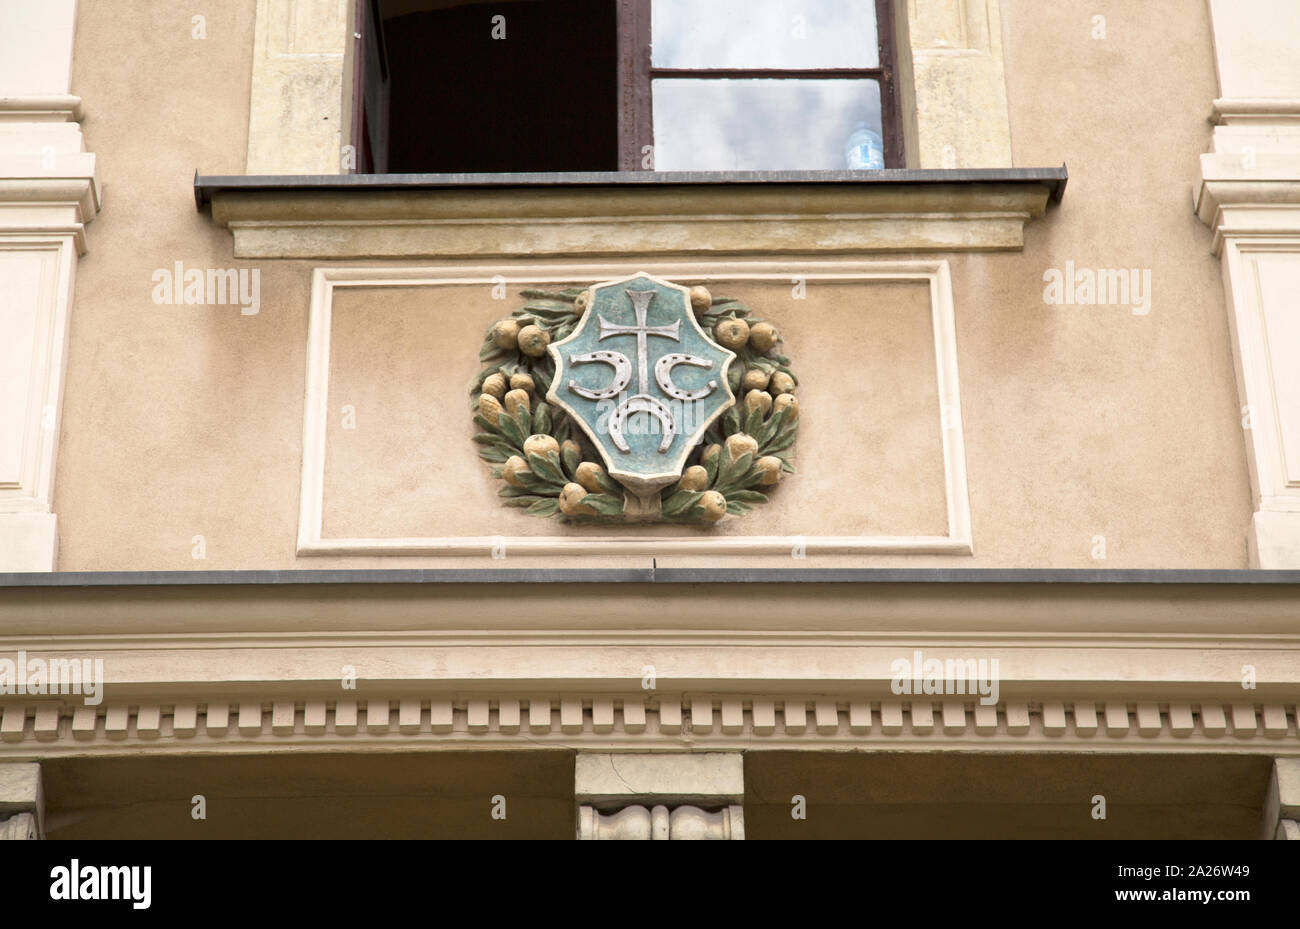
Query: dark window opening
{"type": "Point", "coordinates": [463, 99]}
{"type": "Point", "coordinates": [602, 85]}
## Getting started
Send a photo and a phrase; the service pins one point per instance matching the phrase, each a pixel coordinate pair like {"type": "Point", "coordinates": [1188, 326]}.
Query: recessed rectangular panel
{"type": "Point", "coordinates": [1279, 285]}
{"type": "Point", "coordinates": [20, 323]}
{"type": "Point", "coordinates": [870, 458]}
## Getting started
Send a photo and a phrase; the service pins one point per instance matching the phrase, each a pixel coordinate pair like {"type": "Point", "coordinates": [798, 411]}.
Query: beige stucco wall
{"type": "Point", "coordinates": [184, 421]}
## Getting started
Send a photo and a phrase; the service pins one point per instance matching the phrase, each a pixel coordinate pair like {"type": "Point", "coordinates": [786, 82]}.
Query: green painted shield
{"type": "Point", "coordinates": [642, 379]}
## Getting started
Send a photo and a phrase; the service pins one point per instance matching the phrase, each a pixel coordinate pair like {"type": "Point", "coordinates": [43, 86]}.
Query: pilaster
{"type": "Point", "coordinates": [49, 190]}
{"type": "Point", "coordinates": [1249, 194]}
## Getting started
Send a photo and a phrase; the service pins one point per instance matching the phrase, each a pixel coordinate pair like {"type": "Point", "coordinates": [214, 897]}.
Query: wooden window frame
{"type": "Point", "coordinates": [365, 17]}
{"type": "Point", "coordinates": [637, 72]}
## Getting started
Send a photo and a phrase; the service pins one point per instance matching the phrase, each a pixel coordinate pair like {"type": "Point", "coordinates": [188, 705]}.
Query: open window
{"type": "Point", "coordinates": [448, 87]}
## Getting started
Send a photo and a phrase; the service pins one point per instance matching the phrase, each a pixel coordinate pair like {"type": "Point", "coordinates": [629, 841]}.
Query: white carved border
{"type": "Point", "coordinates": [1275, 470]}
{"type": "Point", "coordinates": [654, 723]}
{"type": "Point", "coordinates": [936, 273]}
{"type": "Point", "coordinates": [30, 490]}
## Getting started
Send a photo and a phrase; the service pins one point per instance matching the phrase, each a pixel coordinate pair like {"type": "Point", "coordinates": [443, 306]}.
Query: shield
{"type": "Point", "coordinates": [642, 379]}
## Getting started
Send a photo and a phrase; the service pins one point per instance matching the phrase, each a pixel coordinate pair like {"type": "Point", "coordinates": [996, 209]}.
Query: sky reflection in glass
{"type": "Point", "coordinates": [764, 34]}
{"type": "Point", "coordinates": [759, 125]}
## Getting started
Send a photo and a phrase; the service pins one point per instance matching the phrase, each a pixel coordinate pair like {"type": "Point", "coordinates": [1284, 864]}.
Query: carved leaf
{"type": "Point", "coordinates": [681, 501]}
{"type": "Point", "coordinates": [548, 468]}
{"type": "Point", "coordinates": [731, 472]}
{"type": "Point", "coordinates": [604, 504]}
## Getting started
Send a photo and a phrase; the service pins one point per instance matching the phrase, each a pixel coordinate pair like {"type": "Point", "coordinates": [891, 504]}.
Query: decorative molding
{"type": "Point", "coordinates": [655, 723]}
{"type": "Point", "coordinates": [618, 220]}
{"type": "Point", "coordinates": [325, 281]}
{"type": "Point", "coordinates": [683, 822]}
{"type": "Point", "coordinates": [32, 108]}
{"type": "Point", "coordinates": [1227, 111]}
{"type": "Point", "coordinates": [22, 800]}
{"type": "Point", "coordinates": [21, 826]}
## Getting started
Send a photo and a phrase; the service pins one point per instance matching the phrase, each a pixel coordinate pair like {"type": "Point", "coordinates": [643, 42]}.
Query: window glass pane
{"type": "Point", "coordinates": [764, 34]}
{"type": "Point", "coordinates": [765, 125]}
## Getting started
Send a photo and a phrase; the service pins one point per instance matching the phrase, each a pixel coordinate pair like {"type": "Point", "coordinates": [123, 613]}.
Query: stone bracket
{"type": "Point", "coordinates": [22, 802]}
{"type": "Point", "coordinates": [660, 796]}
{"type": "Point", "coordinates": [684, 822]}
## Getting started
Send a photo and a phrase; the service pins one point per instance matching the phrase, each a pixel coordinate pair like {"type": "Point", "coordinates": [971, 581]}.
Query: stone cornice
{"type": "Point", "coordinates": [1249, 195]}
{"type": "Point", "coordinates": [44, 202]}
{"type": "Point", "coordinates": [656, 723]}
{"type": "Point", "coordinates": [459, 659]}
{"type": "Point", "coordinates": [54, 108]}
{"type": "Point", "coordinates": [620, 213]}
{"type": "Point", "coordinates": [907, 601]}
{"type": "Point", "coordinates": [1246, 110]}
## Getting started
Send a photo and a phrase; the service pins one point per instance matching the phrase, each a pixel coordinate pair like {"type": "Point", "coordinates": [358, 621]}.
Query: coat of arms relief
{"type": "Point", "coordinates": [636, 400]}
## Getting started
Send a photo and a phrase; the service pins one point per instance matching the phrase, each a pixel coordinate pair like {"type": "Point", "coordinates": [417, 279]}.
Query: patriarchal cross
{"type": "Point", "coordinates": [641, 306]}
{"type": "Point", "coordinates": [641, 401]}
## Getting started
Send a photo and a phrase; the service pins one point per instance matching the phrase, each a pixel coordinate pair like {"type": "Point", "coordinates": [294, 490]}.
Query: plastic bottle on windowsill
{"type": "Point", "coordinates": [865, 150]}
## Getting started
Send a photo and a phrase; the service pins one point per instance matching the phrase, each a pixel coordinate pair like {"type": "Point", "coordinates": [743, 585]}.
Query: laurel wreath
{"type": "Point", "coordinates": [550, 467]}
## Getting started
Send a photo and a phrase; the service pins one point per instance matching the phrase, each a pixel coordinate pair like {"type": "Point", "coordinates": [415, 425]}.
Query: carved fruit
{"type": "Point", "coordinates": [714, 505]}
{"type": "Point", "coordinates": [505, 333]}
{"type": "Point", "coordinates": [522, 381]}
{"type": "Point", "coordinates": [569, 447]}
{"type": "Point", "coordinates": [754, 379]}
{"type": "Point", "coordinates": [582, 301]}
{"type": "Point", "coordinates": [781, 383]}
{"type": "Point", "coordinates": [732, 333]}
{"type": "Point", "coordinates": [693, 478]}
{"type": "Point", "coordinates": [713, 451]}
{"type": "Point", "coordinates": [571, 498]}
{"type": "Point", "coordinates": [786, 402]}
{"type": "Point", "coordinates": [490, 408]}
{"type": "Point", "coordinates": [540, 445]}
{"type": "Point", "coordinates": [515, 399]}
{"type": "Point", "coordinates": [495, 384]}
{"type": "Point", "coordinates": [740, 444]}
{"type": "Point", "coordinates": [770, 467]}
{"type": "Point", "coordinates": [533, 341]}
{"type": "Point", "coordinates": [701, 299]}
{"type": "Point", "coordinates": [588, 476]}
{"type": "Point", "coordinates": [511, 470]}
{"type": "Point", "coordinates": [757, 399]}
{"type": "Point", "coordinates": [762, 336]}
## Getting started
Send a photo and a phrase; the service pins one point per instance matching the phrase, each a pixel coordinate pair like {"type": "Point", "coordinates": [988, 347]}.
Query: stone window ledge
{"type": "Point", "coordinates": [620, 213]}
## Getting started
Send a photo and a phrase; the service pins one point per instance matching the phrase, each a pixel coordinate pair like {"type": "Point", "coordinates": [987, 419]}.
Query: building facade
{"type": "Point", "coordinates": [1029, 565]}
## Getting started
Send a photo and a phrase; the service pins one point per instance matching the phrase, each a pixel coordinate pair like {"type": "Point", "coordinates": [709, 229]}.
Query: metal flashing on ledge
{"type": "Point", "coordinates": [650, 575]}
{"type": "Point", "coordinates": [207, 185]}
